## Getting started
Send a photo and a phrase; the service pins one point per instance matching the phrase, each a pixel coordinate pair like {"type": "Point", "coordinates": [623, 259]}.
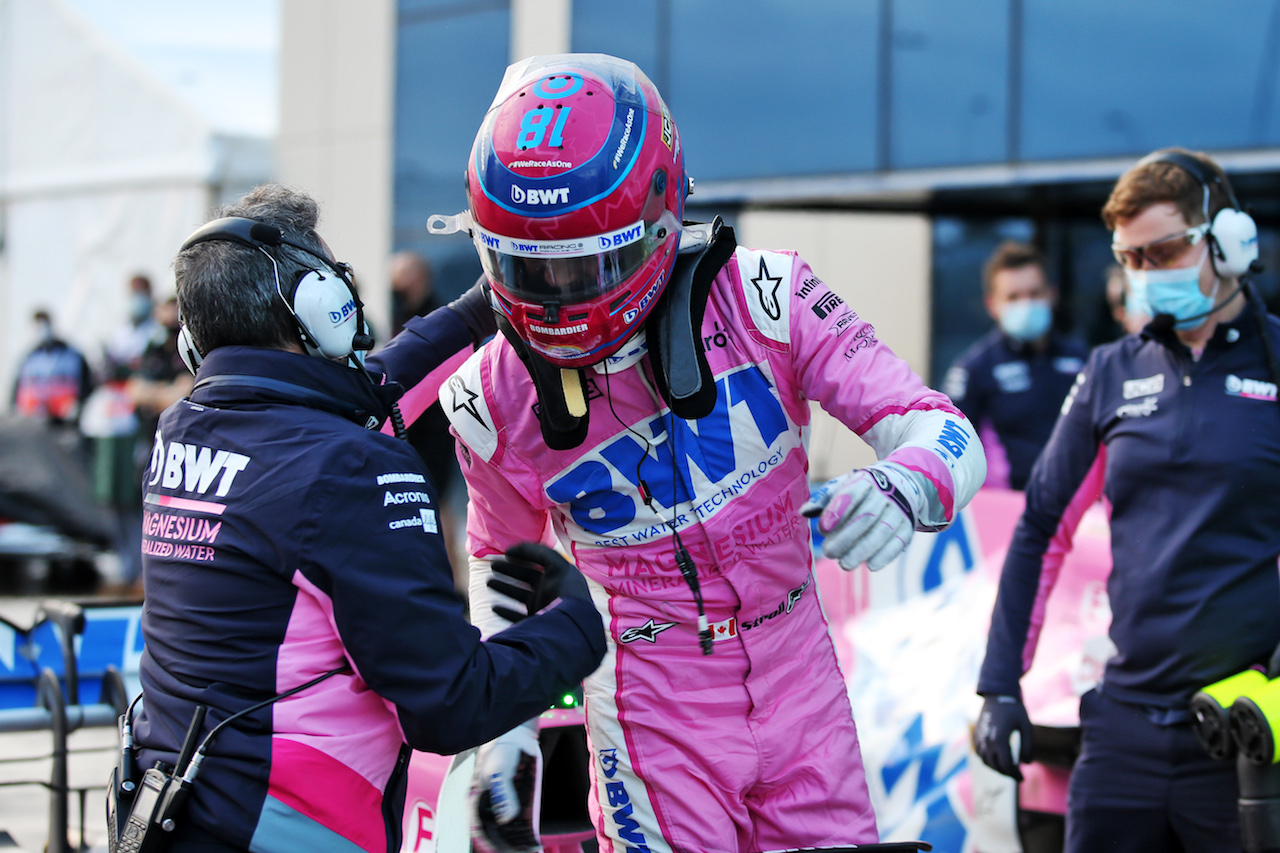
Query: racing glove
{"type": "Point", "coordinates": [529, 577]}
{"type": "Point", "coordinates": [866, 515]}
{"type": "Point", "coordinates": [1003, 728]}
{"type": "Point", "coordinates": [476, 311]}
{"type": "Point", "coordinates": [507, 793]}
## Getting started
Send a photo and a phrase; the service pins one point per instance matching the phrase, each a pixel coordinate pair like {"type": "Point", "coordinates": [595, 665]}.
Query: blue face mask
{"type": "Point", "coordinates": [1027, 319]}
{"type": "Point", "coordinates": [1174, 292]}
{"type": "Point", "coordinates": [139, 307]}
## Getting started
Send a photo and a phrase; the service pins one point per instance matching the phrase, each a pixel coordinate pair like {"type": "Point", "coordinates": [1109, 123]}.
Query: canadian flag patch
{"type": "Point", "coordinates": [725, 630]}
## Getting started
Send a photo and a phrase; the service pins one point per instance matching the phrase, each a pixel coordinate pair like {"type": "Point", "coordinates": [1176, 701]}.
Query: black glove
{"type": "Point", "coordinates": [1002, 716]}
{"type": "Point", "coordinates": [535, 575]}
{"type": "Point", "coordinates": [476, 311]}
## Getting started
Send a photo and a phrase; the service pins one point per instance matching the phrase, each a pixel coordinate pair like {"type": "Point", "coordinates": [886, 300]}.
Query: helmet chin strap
{"type": "Point", "coordinates": [680, 366]}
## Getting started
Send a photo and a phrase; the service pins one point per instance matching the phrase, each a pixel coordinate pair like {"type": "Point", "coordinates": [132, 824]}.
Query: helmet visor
{"type": "Point", "coordinates": [569, 271]}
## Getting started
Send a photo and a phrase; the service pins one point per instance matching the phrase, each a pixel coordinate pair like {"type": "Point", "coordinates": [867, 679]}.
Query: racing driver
{"type": "Point", "coordinates": [647, 404]}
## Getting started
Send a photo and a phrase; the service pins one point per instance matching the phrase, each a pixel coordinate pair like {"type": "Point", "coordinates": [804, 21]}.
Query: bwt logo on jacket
{"type": "Point", "coordinates": [192, 468]}
{"type": "Point", "coordinates": [727, 446]}
{"type": "Point", "coordinates": [555, 195]}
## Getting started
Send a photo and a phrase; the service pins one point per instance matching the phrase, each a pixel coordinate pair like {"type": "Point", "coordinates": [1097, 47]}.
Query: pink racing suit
{"type": "Point", "coordinates": [753, 747]}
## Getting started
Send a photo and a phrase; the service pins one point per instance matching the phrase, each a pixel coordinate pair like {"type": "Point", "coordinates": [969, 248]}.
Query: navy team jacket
{"type": "Point", "coordinates": [1012, 397]}
{"type": "Point", "coordinates": [1187, 452]}
{"type": "Point", "coordinates": [283, 540]}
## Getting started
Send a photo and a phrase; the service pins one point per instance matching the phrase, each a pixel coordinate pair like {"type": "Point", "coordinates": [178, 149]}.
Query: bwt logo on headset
{"type": "Point", "coordinates": [556, 195]}
{"type": "Point", "coordinates": [342, 314]}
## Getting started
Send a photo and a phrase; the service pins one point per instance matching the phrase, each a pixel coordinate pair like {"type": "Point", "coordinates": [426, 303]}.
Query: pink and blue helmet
{"type": "Point", "coordinates": [576, 187]}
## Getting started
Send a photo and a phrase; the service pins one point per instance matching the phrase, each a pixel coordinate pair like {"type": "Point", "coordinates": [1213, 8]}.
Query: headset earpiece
{"type": "Point", "coordinates": [1234, 237]}
{"type": "Point", "coordinates": [191, 356]}
{"type": "Point", "coordinates": [330, 315]}
{"type": "Point", "coordinates": [328, 312]}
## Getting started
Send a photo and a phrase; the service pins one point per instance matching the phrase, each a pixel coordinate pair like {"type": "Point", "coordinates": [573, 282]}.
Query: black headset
{"type": "Point", "coordinates": [324, 302]}
{"type": "Point", "coordinates": [1233, 235]}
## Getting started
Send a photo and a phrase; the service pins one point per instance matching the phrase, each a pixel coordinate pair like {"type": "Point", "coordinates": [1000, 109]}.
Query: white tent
{"type": "Point", "coordinates": [103, 171]}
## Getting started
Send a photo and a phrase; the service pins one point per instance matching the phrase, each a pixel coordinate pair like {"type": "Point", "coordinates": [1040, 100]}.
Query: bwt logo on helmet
{"type": "Point", "coordinates": [622, 238]}
{"type": "Point", "coordinates": [534, 196]}
{"type": "Point", "coordinates": [630, 315]}
{"type": "Point", "coordinates": [340, 316]}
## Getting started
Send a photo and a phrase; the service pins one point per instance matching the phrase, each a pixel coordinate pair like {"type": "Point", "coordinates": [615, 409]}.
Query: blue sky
{"type": "Point", "coordinates": [220, 56]}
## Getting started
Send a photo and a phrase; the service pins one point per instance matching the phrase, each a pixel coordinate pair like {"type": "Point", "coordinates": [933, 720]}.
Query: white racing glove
{"type": "Point", "coordinates": [866, 515]}
{"type": "Point", "coordinates": [507, 794]}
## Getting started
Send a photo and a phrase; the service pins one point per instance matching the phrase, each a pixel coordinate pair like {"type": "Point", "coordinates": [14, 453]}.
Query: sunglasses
{"type": "Point", "coordinates": [1160, 253]}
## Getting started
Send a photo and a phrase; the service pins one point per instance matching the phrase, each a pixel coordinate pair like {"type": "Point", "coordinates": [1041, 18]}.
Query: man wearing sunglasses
{"type": "Point", "coordinates": [1178, 427]}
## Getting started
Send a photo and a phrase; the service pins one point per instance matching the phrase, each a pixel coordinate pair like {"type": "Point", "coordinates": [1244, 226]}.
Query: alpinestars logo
{"type": "Point", "coordinates": [648, 632]}
{"type": "Point", "coordinates": [767, 292]}
{"type": "Point", "coordinates": [464, 399]}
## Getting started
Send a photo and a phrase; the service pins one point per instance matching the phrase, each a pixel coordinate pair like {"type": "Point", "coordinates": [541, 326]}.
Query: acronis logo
{"type": "Point", "coordinates": [337, 318]}
{"type": "Point", "coordinates": [726, 451]}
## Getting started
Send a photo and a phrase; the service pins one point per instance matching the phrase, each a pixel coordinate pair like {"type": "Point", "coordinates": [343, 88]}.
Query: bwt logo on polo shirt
{"type": "Point", "coordinates": [556, 195]}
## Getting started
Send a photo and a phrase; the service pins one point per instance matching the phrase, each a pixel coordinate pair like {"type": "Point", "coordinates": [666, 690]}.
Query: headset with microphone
{"type": "Point", "coordinates": [1233, 251]}
{"type": "Point", "coordinates": [1232, 236]}
{"type": "Point", "coordinates": [324, 302]}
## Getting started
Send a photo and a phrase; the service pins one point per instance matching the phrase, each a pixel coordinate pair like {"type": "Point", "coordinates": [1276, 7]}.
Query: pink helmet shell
{"type": "Point", "coordinates": [576, 187]}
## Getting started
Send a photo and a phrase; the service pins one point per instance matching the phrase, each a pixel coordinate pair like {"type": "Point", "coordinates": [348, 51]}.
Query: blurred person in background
{"type": "Point", "coordinates": [413, 295]}
{"type": "Point", "coordinates": [124, 350]}
{"type": "Point", "coordinates": [1177, 427]}
{"type": "Point", "coordinates": [53, 381]}
{"type": "Point", "coordinates": [1127, 313]}
{"type": "Point", "coordinates": [120, 444]}
{"type": "Point", "coordinates": [160, 379]}
{"type": "Point", "coordinates": [1011, 383]}
{"type": "Point", "coordinates": [412, 289]}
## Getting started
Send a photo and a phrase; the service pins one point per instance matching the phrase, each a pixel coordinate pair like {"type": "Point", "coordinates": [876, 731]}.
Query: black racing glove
{"type": "Point", "coordinates": [1001, 717]}
{"type": "Point", "coordinates": [476, 311]}
{"type": "Point", "coordinates": [534, 575]}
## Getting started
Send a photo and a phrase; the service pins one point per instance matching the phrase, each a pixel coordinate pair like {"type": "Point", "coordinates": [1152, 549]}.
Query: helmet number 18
{"type": "Point", "coordinates": [534, 126]}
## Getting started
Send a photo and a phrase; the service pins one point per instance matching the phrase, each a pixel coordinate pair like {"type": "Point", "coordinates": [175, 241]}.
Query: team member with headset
{"type": "Point", "coordinates": [287, 540]}
{"type": "Point", "coordinates": [1178, 426]}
